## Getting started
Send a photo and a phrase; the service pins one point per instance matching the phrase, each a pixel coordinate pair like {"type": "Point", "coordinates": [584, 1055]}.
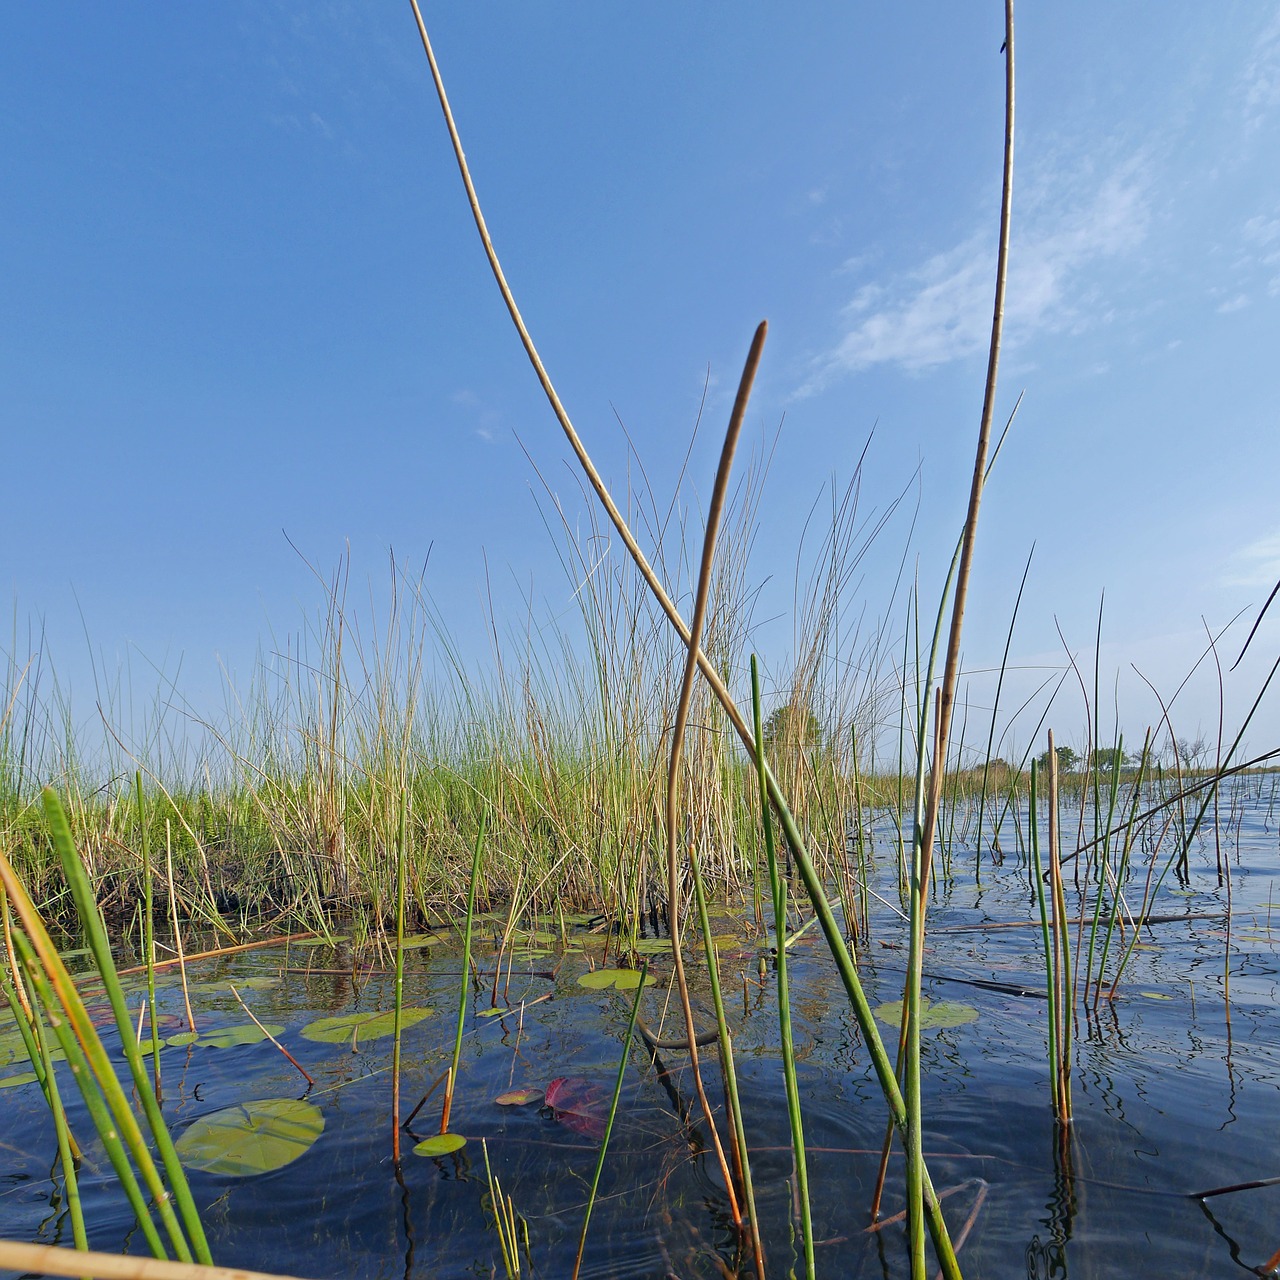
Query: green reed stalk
{"type": "Point", "coordinates": [148, 927]}
{"type": "Point", "coordinates": [504, 1219]}
{"type": "Point", "coordinates": [35, 1042]}
{"type": "Point", "coordinates": [452, 1078]}
{"type": "Point", "coordinates": [188, 1237]}
{"type": "Point", "coordinates": [779, 893]}
{"type": "Point", "coordinates": [1051, 984]}
{"type": "Point", "coordinates": [1122, 872]}
{"type": "Point", "coordinates": [995, 709]}
{"type": "Point", "coordinates": [864, 891]}
{"type": "Point", "coordinates": [63, 1132]}
{"type": "Point", "coordinates": [401, 879]}
{"type": "Point", "coordinates": [117, 1140]}
{"type": "Point", "coordinates": [1104, 863]}
{"type": "Point", "coordinates": [742, 1159]}
{"type": "Point", "coordinates": [1062, 945]}
{"type": "Point", "coordinates": [613, 1111]}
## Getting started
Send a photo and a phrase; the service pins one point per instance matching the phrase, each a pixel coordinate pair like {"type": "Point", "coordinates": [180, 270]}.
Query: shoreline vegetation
{"type": "Point", "coordinates": [292, 813]}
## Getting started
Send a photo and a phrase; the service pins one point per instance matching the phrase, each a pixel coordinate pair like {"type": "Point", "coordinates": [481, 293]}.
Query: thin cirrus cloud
{"type": "Point", "coordinates": [1255, 565]}
{"type": "Point", "coordinates": [940, 311]}
{"type": "Point", "coordinates": [1261, 76]}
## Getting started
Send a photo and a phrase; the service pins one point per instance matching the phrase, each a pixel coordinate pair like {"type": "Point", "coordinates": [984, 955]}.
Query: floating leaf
{"type": "Point", "coordinates": [417, 940]}
{"type": "Point", "coordinates": [360, 1026]}
{"type": "Point", "coordinates": [322, 942]}
{"type": "Point", "coordinates": [440, 1145]}
{"type": "Point", "coordinates": [579, 1104]}
{"type": "Point", "coordinates": [1155, 995]}
{"type": "Point", "coordinates": [492, 1013]}
{"type": "Point", "coordinates": [226, 1037]}
{"type": "Point", "coordinates": [651, 946]}
{"type": "Point", "coordinates": [519, 1097]}
{"type": "Point", "coordinates": [13, 1049]}
{"type": "Point", "coordinates": [946, 1013]}
{"type": "Point", "coordinates": [251, 1137]}
{"type": "Point", "coordinates": [12, 1082]}
{"type": "Point", "coordinates": [622, 979]}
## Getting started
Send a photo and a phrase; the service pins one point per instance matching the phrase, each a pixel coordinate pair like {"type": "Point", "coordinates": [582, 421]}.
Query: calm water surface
{"type": "Point", "coordinates": [1176, 1090]}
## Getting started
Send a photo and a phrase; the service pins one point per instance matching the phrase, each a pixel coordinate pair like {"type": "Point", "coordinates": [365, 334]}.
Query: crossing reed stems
{"type": "Point", "coordinates": [741, 1157]}
{"type": "Point", "coordinates": [451, 1078]}
{"type": "Point", "coordinates": [62, 1131]}
{"type": "Point", "coordinates": [91, 1068]}
{"type": "Point", "coordinates": [778, 891]}
{"type": "Point", "coordinates": [613, 1111]}
{"type": "Point", "coordinates": [1117, 878]}
{"type": "Point", "coordinates": [925, 836]}
{"type": "Point", "coordinates": [504, 1218]}
{"type": "Point", "coordinates": [808, 873]}
{"type": "Point", "coordinates": [148, 932]}
{"type": "Point", "coordinates": [36, 1043]}
{"type": "Point", "coordinates": [674, 826]}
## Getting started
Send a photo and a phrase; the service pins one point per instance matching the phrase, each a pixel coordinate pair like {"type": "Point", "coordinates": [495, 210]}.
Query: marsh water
{"type": "Point", "coordinates": [1176, 1088]}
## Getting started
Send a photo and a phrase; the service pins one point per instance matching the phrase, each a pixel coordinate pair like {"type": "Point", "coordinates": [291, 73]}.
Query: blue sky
{"type": "Point", "coordinates": [243, 299]}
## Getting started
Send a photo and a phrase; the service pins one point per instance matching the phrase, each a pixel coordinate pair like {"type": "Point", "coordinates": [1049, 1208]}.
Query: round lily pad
{"type": "Point", "coordinates": [599, 979]}
{"type": "Point", "coordinates": [361, 1026]}
{"type": "Point", "coordinates": [946, 1013]}
{"type": "Point", "coordinates": [225, 1037]}
{"type": "Point", "coordinates": [251, 1137]}
{"type": "Point", "coordinates": [440, 1145]}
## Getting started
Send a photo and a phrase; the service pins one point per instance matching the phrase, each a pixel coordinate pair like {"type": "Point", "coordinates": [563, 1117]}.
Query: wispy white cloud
{"type": "Point", "coordinates": [484, 420]}
{"type": "Point", "coordinates": [1261, 236]}
{"type": "Point", "coordinates": [1233, 304]}
{"type": "Point", "coordinates": [1261, 76]}
{"type": "Point", "coordinates": [1255, 565]}
{"type": "Point", "coordinates": [940, 311]}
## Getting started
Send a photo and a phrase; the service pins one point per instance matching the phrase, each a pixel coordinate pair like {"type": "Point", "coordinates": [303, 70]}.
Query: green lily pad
{"type": "Point", "coordinates": [1155, 995]}
{"type": "Point", "coordinates": [599, 979]}
{"type": "Point", "coordinates": [225, 1037]}
{"type": "Point", "coordinates": [12, 1082]}
{"type": "Point", "coordinates": [440, 1145]}
{"type": "Point", "coordinates": [361, 1026]}
{"type": "Point", "coordinates": [534, 937]}
{"type": "Point", "coordinates": [13, 1049]}
{"type": "Point", "coordinates": [520, 1097]}
{"type": "Point", "coordinates": [417, 940]}
{"type": "Point", "coordinates": [946, 1013]}
{"type": "Point", "coordinates": [251, 1137]}
{"type": "Point", "coordinates": [651, 946]}
{"type": "Point", "coordinates": [492, 1013]}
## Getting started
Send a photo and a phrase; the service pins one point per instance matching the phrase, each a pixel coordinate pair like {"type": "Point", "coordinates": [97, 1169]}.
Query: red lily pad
{"type": "Point", "coordinates": [578, 1103]}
